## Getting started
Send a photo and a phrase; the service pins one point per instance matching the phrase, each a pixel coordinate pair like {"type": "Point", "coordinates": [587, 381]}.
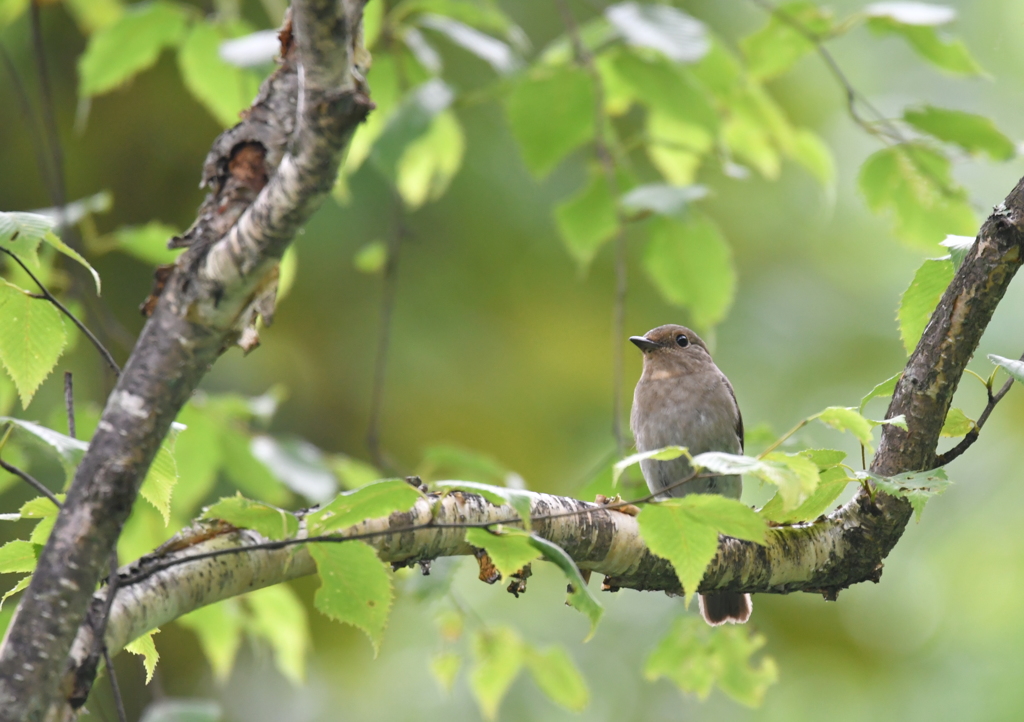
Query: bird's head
{"type": "Point", "coordinates": [671, 350]}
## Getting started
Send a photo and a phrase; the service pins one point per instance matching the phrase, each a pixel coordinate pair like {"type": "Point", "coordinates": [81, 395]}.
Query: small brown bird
{"type": "Point", "coordinates": [683, 399]}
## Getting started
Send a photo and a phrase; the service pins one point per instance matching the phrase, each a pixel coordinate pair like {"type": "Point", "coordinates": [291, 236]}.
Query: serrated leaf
{"type": "Point", "coordinates": [21, 586]}
{"type": "Point", "coordinates": [18, 556]}
{"type": "Point", "coordinates": [42, 530]}
{"type": "Point", "coordinates": [920, 299]}
{"type": "Point", "coordinates": [497, 658]}
{"type": "Point", "coordinates": [957, 423]}
{"type": "Point", "coordinates": [145, 647]}
{"type": "Point", "coordinates": [492, 51]}
{"type": "Point", "coordinates": [279, 617]}
{"type": "Point", "coordinates": [410, 120]}
{"type": "Point", "coordinates": [39, 508]}
{"type": "Point", "coordinates": [833, 481]}
{"type": "Point", "coordinates": [959, 247]}
{"type": "Point", "coordinates": [946, 54]}
{"type": "Point", "coordinates": [354, 587]}
{"type": "Point", "coordinates": [882, 390]}
{"type": "Point", "coordinates": [917, 487]}
{"type": "Point", "coordinates": [664, 28]}
{"type": "Point", "coordinates": [269, 521]}
{"type": "Point", "coordinates": [219, 629]}
{"type": "Point", "coordinates": [158, 485]}
{"type": "Point", "coordinates": [685, 531]}
{"type": "Point", "coordinates": [776, 47]}
{"type": "Point", "coordinates": [430, 162]}
{"type": "Point", "coordinates": [371, 257]}
{"type": "Point", "coordinates": [132, 44]}
{"type": "Point", "coordinates": [224, 89]}
{"type": "Point", "coordinates": [662, 199]}
{"type": "Point", "coordinates": [557, 676]}
{"type": "Point", "coordinates": [666, 453]}
{"type": "Point", "coordinates": [580, 597]}
{"type": "Point", "coordinates": [847, 418]}
{"type": "Point", "coordinates": [1011, 366]}
{"type": "Point", "coordinates": [691, 266]}
{"type": "Point", "coordinates": [824, 458]}
{"type": "Point", "coordinates": [587, 219]}
{"type": "Point", "coordinates": [510, 550]}
{"type": "Point", "coordinates": [695, 657]}
{"type": "Point", "coordinates": [297, 464]}
{"type": "Point", "coordinates": [32, 339]}
{"type": "Point", "coordinates": [795, 475]}
{"type": "Point", "coordinates": [974, 133]}
{"type": "Point", "coordinates": [378, 499]}
{"type": "Point", "coordinates": [551, 112]}
{"type": "Point", "coordinates": [148, 243]}
{"type": "Point", "coordinates": [445, 668]}
{"type": "Point", "coordinates": [913, 185]}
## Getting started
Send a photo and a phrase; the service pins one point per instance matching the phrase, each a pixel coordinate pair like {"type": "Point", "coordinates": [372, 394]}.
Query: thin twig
{"type": "Point", "coordinates": [607, 163]}
{"type": "Point", "coordinates": [389, 291]}
{"type": "Point", "coordinates": [69, 403]}
{"type": "Point", "coordinates": [81, 326]}
{"type": "Point", "coordinates": [972, 435]}
{"type": "Point", "coordinates": [115, 689]}
{"type": "Point", "coordinates": [31, 481]}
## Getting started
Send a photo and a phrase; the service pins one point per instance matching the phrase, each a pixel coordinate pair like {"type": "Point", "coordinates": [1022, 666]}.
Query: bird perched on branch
{"type": "Point", "coordinates": [683, 399]}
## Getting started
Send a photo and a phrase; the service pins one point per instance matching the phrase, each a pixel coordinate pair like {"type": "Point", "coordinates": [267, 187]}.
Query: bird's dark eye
{"type": "Point", "coordinates": [682, 340]}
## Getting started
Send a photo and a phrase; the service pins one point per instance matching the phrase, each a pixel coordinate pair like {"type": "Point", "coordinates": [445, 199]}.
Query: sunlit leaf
{"type": "Point", "coordinates": [497, 658]}
{"type": "Point", "coordinates": [378, 499]}
{"type": "Point", "coordinates": [430, 162]}
{"type": "Point", "coordinates": [667, 88]}
{"type": "Point", "coordinates": [957, 423]}
{"type": "Point", "coordinates": [224, 89]}
{"type": "Point", "coordinates": [119, 51]}
{"type": "Point", "coordinates": [145, 647]}
{"type": "Point", "coordinates": [843, 418]}
{"type": "Point", "coordinates": [354, 587]}
{"type": "Point", "coordinates": [93, 15]}
{"type": "Point", "coordinates": [371, 257]}
{"type": "Point", "coordinates": [510, 550]}
{"type": "Point", "coordinates": [696, 657]}
{"type": "Point", "coordinates": [53, 240]}
{"type": "Point", "coordinates": [148, 243]}
{"type": "Point", "coordinates": [587, 219]}
{"type": "Point", "coordinates": [959, 247]}
{"type": "Point", "coordinates": [974, 133]}
{"type": "Point", "coordinates": [352, 473]}
{"type": "Point", "coordinates": [691, 266]}
{"type": "Point", "coordinates": [832, 482]}
{"type": "Point", "coordinates": [946, 54]}
{"type": "Point", "coordinates": [777, 46]}
{"type": "Point", "coordinates": [269, 521]}
{"type": "Point", "coordinates": [556, 674]}
{"type": "Point", "coordinates": [18, 556]}
{"type": "Point", "coordinates": [21, 586]}
{"type": "Point", "coordinates": [32, 339]}
{"type": "Point", "coordinates": [664, 28]}
{"type": "Point", "coordinates": [676, 147]}
{"type": "Point", "coordinates": [920, 299]}
{"type": "Point", "coordinates": [810, 151]}
{"type": "Point", "coordinates": [1013, 367]}
{"type": "Point", "coordinates": [413, 117]}
{"type": "Point", "coordinates": [158, 486]}
{"type": "Point", "coordinates": [882, 390]}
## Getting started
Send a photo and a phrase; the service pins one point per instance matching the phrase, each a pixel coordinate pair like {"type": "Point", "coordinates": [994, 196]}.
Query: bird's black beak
{"type": "Point", "coordinates": [644, 344]}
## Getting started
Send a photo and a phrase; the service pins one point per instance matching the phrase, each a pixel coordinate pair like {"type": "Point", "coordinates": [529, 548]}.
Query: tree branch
{"type": "Point", "coordinates": [266, 175]}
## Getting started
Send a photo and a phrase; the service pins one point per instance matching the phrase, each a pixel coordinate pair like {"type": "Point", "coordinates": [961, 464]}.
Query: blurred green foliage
{"type": "Point", "coordinates": [480, 160]}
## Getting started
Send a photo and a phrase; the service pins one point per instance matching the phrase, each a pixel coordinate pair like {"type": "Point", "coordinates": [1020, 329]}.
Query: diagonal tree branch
{"type": "Point", "coordinates": [266, 177]}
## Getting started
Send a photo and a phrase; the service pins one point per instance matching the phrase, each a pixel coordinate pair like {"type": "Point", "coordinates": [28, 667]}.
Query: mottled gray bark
{"type": "Point", "coordinates": [266, 177]}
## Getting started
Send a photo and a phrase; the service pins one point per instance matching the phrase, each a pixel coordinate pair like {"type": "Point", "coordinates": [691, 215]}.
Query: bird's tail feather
{"type": "Point", "coordinates": [721, 607]}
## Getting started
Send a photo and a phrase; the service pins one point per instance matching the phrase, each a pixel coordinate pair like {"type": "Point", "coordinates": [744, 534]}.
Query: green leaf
{"type": "Point", "coordinates": [776, 47]}
{"type": "Point", "coordinates": [691, 266]}
{"type": "Point", "coordinates": [375, 500]}
{"type": "Point", "coordinates": [824, 458]}
{"type": "Point", "coordinates": [411, 120]}
{"type": "Point", "coordinates": [882, 390]}
{"type": "Point", "coordinates": [447, 461]}
{"type": "Point", "coordinates": [371, 257]}
{"type": "Point", "coordinates": [159, 483]}
{"type": "Point", "coordinates": [662, 199]}
{"type": "Point", "coordinates": [748, 139]}
{"type": "Point", "coordinates": [384, 77]}
{"type": "Point", "coordinates": [197, 454]}
{"type": "Point", "coordinates": [956, 424]}
{"type": "Point", "coordinates": [843, 418]}
{"type": "Point", "coordinates": [42, 530]}
{"type": "Point", "coordinates": [297, 464]}
{"type": "Point", "coordinates": [145, 647]}
{"type": "Point", "coordinates": [32, 339]}
{"type": "Point", "coordinates": [269, 521]}
{"type": "Point", "coordinates": [675, 147]}
{"type": "Point", "coordinates": [913, 185]}
{"type": "Point", "coordinates": [551, 112]}
{"type": "Point", "coordinates": [21, 233]}
{"type": "Point", "coordinates": [917, 487]}
{"type": "Point", "coordinates": [580, 597]}
{"type": "Point", "coordinates": [672, 32]}
{"type": "Point", "coordinates": [69, 450]}
{"type": "Point", "coordinates": [959, 247]}
{"type": "Point", "coordinates": [695, 657]}
{"type": "Point", "coordinates": [279, 617]}
{"type": "Point", "coordinates": [558, 677]}
{"type": "Point", "coordinates": [510, 550]}
{"type": "Point", "coordinates": [246, 471]}
{"type": "Point", "coordinates": [148, 243]}
{"type": "Point", "coordinates": [666, 453]}
{"type": "Point", "coordinates": [352, 473]}
{"type": "Point", "coordinates": [519, 500]}
{"type": "Point", "coordinates": [810, 151]}
{"type": "Point", "coordinates": [445, 668]}
{"type": "Point", "coordinates": [492, 51]}
{"type": "Point", "coordinates": [833, 481]}
{"type": "Point", "coordinates": [946, 54]}
{"type": "Point", "coordinates": [973, 133]}
{"type": "Point", "coordinates": [93, 15]}
{"type": "Point", "coordinates": [587, 220]}
{"type": "Point", "coordinates": [132, 44]}
{"type": "Point", "coordinates": [53, 240]}
{"type": "Point", "coordinates": [219, 629]}
{"type": "Point", "coordinates": [920, 299]}
{"type": "Point", "coordinates": [18, 556]}
{"type": "Point", "coordinates": [21, 586]}
{"type": "Point", "coordinates": [667, 88]}
{"type": "Point", "coordinates": [685, 531]}
{"type": "Point", "coordinates": [795, 475]}
{"type": "Point", "coordinates": [497, 658]}
{"type": "Point", "coordinates": [223, 89]}
{"type": "Point", "coordinates": [354, 587]}
{"type": "Point", "coordinates": [39, 508]}
{"type": "Point", "coordinates": [1011, 366]}
{"type": "Point", "coordinates": [430, 162]}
